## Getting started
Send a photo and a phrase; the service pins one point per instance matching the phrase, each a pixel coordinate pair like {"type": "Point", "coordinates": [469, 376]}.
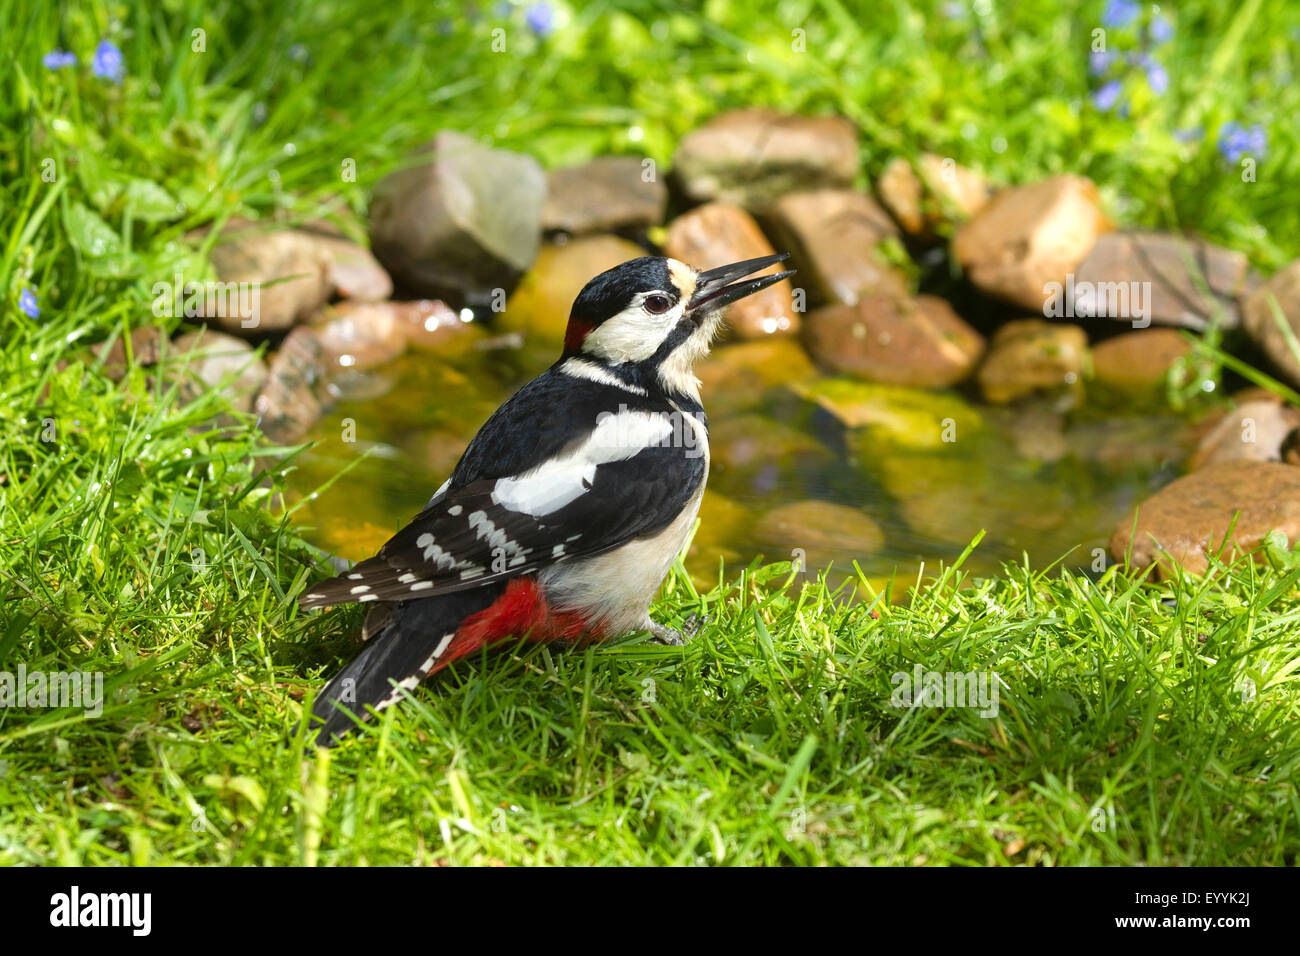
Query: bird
{"type": "Point", "coordinates": [566, 510]}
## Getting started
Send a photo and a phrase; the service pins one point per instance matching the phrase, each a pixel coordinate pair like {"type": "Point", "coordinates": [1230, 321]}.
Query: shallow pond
{"type": "Point", "coordinates": [914, 479]}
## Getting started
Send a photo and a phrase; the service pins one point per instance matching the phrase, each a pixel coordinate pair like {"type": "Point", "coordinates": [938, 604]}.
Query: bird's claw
{"type": "Point", "coordinates": [660, 634]}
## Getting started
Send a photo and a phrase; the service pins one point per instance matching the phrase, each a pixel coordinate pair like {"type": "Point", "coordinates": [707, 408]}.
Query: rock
{"type": "Point", "coordinates": [1029, 236]}
{"type": "Point", "coordinates": [736, 376]}
{"type": "Point", "coordinates": [293, 397]}
{"type": "Point", "coordinates": [1253, 431]}
{"type": "Point", "coordinates": [1170, 270]}
{"type": "Point", "coordinates": [289, 276]}
{"type": "Point", "coordinates": [818, 532]}
{"type": "Point", "coordinates": [1261, 321]}
{"type": "Point", "coordinates": [351, 270]}
{"type": "Point", "coordinates": [430, 326]}
{"type": "Point", "coordinates": [944, 194]}
{"type": "Point", "coordinates": [1137, 362]}
{"type": "Point", "coordinates": [892, 418]}
{"type": "Point", "coordinates": [147, 344]}
{"type": "Point", "coordinates": [223, 362]}
{"type": "Point", "coordinates": [1127, 444]}
{"type": "Point", "coordinates": [832, 236]}
{"type": "Point", "coordinates": [462, 223]}
{"type": "Point", "coordinates": [745, 443]}
{"type": "Point", "coordinates": [540, 305]}
{"type": "Point", "coordinates": [718, 234]}
{"type": "Point", "coordinates": [899, 189]}
{"type": "Point", "coordinates": [608, 194]}
{"type": "Point", "coordinates": [360, 334]}
{"type": "Point", "coordinates": [894, 339]}
{"type": "Point", "coordinates": [1188, 520]}
{"type": "Point", "coordinates": [751, 157]}
{"type": "Point", "coordinates": [1030, 355]}
{"type": "Point", "coordinates": [723, 523]}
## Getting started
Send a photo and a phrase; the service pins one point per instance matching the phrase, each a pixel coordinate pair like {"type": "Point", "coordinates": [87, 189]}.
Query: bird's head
{"type": "Point", "coordinates": [659, 314]}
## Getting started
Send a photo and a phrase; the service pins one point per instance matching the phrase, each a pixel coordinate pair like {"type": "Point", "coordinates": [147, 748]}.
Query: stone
{"type": "Point", "coordinates": [1029, 236]}
{"type": "Point", "coordinates": [1188, 520]}
{"type": "Point", "coordinates": [1139, 361]}
{"type": "Point", "coordinates": [934, 197]}
{"type": "Point", "coordinates": [1253, 431]}
{"type": "Point", "coordinates": [1030, 355]}
{"type": "Point", "coordinates": [293, 397]}
{"type": "Point", "coordinates": [360, 335]}
{"type": "Point", "coordinates": [1261, 321]}
{"type": "Point", "coordinates": [466, 220]}
{"type": "Point", "coordinates": [608, 194]}
{"type": "Point", "coordinates": [540, 305]}
{"type": "Point", "coordinates": [431, 326]}
{"type": "Point", "coordinates": [1170, 270]}
{"type": "Point", "coordinates": [751, 157]}
{"type": "Point", "coordinates": [817, 532]}
{"type": "Point", "coordinates": [894, 339]}
{"type": "Point", "coordinates": [223, 362]}
{"type": "Point", "coordinates": [832, 235]}
{"type": "Point", "coordinates": [892, 418]}
{"type": "Point", "coordinates": [352, 271]}
{"type": "Point", "coordinates": [147, 344]}
{"type": "Point", "coordinates": [900, 191]}
{"type": "Point", "coordinates": [289, 273]}
{"type": "Point", "coordinates": [747, 443]}
{"type": "Point", "coordinates": [718, 234]}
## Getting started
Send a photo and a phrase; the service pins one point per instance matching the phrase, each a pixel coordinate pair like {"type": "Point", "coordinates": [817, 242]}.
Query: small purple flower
{"type": "Point", "coordinates": [1106, 96]}
{"type": "Point", "coordinates": [1100, 62]}
{"type": "Point", "coordinates": [1119, 13]}
{"type": "Point", "coordinates": [58, 59]}
{"type": "Point", "coordinates": [107, 63]}
{"type": "Point", "coordinates": [1236, 141]}
{"type": "Point", "coordinates": [1161, 30]}
{"type": "Point", "coordinates": [1157, 76]}
{"type": "Point", "coordinates": [27, 302]}
{"type": "Point", "coordinates": [540, 18]}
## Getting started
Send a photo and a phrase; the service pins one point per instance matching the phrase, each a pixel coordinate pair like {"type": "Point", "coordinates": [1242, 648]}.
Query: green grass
{"type": "Point", "coordinates": [145, 543]}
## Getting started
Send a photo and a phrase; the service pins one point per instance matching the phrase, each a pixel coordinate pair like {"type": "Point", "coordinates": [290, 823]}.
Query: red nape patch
{"type": "Point", "coordinates": [574, 335]}
{"type": "Point", "coordinates": [521, 611]}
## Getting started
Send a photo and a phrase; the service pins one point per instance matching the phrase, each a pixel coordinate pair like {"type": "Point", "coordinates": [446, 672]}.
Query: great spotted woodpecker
{"type": "Point", "coordinates": [568, 507]}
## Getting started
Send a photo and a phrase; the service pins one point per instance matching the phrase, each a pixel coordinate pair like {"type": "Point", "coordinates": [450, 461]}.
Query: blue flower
{"type": "Point", "coordinates": [1105, 96]}
{"type": "Point", "coordinates": [540, 18]}
{"type": "Point", "coordinates": [107, 63]}
{"type": "Point", "coordinates": [1100, 62]}
{"type": "Point", "coordinates": [1236, 141]}
{"type": "Point", "coordinates": [27, 302]}
{"type": "Point", "coordinates": [1161, 30]}
{"type": "Point", "coordinates": [1157, 76]}
{"type": "Point", "coordinates": [58, 59]}
{"type": "Point", "coordinates": [1119, 13]}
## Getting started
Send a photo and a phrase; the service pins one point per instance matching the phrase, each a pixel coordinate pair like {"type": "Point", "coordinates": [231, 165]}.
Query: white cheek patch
{"type": "Point", "coordinates": [633, 335]}
{"type": "Point", "coordinates": [561, 481]}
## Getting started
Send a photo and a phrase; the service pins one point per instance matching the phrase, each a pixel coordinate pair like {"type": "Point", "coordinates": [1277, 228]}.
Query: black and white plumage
{"type": "Point", "coordinates": [568, 507]}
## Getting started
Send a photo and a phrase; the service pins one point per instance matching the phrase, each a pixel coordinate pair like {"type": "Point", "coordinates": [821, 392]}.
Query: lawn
{"type": "Point", "coordinates": [1135, 722]}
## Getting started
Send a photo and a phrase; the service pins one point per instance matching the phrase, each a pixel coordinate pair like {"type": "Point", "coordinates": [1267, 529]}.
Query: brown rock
{"type": "Point", "coordinates": [1188, 520]}
{"type": "Point", "coordinates": [1136, 362]}
{"type": "Point", "coordinates": [717, 234]}
{"type": "Point", "coordinates": [1031, 355]}
{"type": "Point", "coordinates": [818, 532]}
{"type": "Point", "coordinates": [1254, 431]}
{"type": "Point", "coordinates": [1029, 236]}
{"type": "Point", "coordinates": [293, 397]}
{"type": "Point", "coordinates": [752, 157]}
{"type": "Point", "coordinates": [147, 343]}
{"type": "Point", "coordinates": [900, 190]}
{"type": "Point", "coordinates": [760, 363]}
{"type": "Point", "coordinates": [464, 222]}
{"type": "Point", "coordinates": [958, 192]}
{"type": "Point", "coordinates": [896, 340]}
{"type": "Point", "coordinates": [352, 271]}
{"type": "Point", "coordinates": [608, 194]}
{"type": "Point", "coordinates": [360, 334]}
{"type": "Point", "coordinates": [1261, 321]}
{"type": "Point", "coordinates": [223, 362]}
{"type": "Point", "coordinates": [831, 235]}
{"type": "Point", "coordinates": [289, 275]}
{"type": "Point", "coordinates": [430, 326]}
{"type": "Point", "coordinates": [1170, 270]}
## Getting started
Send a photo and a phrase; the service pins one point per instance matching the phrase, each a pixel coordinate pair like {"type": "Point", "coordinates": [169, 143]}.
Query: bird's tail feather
{"type": "Point", "coordinates": [408, 647]}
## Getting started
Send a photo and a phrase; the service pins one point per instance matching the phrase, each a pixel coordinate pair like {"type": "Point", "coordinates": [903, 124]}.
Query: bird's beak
{"type": "Point", "coordinates": [713, 289]}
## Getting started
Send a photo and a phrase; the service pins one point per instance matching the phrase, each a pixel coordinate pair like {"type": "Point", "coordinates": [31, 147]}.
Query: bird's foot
{"type": "Point", "coordinates": [666, 635]}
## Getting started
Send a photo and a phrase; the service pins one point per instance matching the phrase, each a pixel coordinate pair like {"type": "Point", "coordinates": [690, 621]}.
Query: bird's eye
{"type": "Point", "coordinates": [657, 303]}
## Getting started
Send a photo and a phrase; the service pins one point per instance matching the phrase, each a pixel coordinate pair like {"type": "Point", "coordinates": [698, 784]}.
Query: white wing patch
{"type": "Point", "coordinates": [560, 481]}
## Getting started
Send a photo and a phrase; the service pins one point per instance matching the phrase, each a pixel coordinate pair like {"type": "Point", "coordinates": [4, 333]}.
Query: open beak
{"type": "Point", "coordinates": [713, 289]}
